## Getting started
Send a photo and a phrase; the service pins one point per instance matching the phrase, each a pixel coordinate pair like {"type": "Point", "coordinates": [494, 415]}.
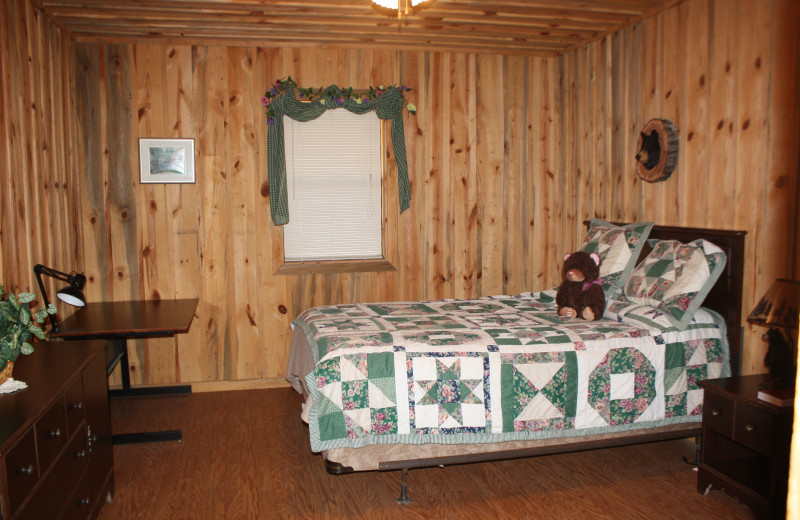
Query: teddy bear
{"type": "Point", "coordinates": [581, 292]}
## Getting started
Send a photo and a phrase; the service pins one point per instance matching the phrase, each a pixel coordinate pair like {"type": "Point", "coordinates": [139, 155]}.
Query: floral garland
{"type": "Point", "coordinates": [326, 96]}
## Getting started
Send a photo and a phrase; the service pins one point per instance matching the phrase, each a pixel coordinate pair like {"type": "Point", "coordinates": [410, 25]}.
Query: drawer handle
{"type": "Point", "coordinates": [26, 470]}
{"type": "Point", "coordinates": [76, 406]}
{"type": "Point", "coordinates": [749, 428]}
{"type": "Point", "coordinates": [91, 439]}
{"type": "Point", "coordinates": [83, 501]}
{"type": "Point", "coordinates": [715, 413]}
{"type": "Point", "coordinates": [55, 434]}
{"type": "Point", "coordinates": [80, 454]}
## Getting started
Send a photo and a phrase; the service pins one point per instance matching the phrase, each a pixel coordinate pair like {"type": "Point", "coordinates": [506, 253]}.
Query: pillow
{"type": "Point", "coordinates": [618, 247]}
{"type": "Point", "coordinates": [675, 278]}
{"type": "Point", "coordinates": [647, 317]}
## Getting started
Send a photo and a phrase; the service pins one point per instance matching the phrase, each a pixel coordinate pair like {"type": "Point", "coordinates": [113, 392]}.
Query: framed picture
{"type": "Point", "coordinates": [166, 160]}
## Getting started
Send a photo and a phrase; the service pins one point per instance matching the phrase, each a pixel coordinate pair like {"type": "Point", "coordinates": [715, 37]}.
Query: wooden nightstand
{"type": "Point", "coordinates": [745, 446]}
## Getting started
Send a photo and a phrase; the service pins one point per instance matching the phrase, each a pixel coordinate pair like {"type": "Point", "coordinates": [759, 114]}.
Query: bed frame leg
{"type": "Point", "coordinates": [404, 499]}
{"type": "Point", "coordinates": [698, 448]}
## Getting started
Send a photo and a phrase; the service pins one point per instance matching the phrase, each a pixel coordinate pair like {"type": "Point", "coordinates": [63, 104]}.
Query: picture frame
{"type": "Point", "coordinates": [166, 160]}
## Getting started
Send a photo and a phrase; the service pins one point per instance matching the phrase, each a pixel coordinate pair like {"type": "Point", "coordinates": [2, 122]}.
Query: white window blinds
{"type": "Point", "coordinates": [333, 176]}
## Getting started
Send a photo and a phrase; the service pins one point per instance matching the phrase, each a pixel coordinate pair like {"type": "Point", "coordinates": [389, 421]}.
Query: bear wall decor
{"type": "Point", "coordinates": [657, 154]}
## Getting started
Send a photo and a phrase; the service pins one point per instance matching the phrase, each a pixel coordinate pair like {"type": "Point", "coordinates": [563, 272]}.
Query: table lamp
{"type": "Point", "coordinates": [71, 294]}
{"type": "Point", "coordinates": [779, 309]}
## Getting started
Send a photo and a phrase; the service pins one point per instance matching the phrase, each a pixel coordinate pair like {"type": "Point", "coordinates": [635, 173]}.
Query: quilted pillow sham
{"type": "Point", "coordinates": [618, 247]}
{"type": "Point", "coordinates": [675, 278]}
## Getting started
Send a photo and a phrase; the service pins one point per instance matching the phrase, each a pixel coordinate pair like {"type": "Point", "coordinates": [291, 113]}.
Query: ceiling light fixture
{"type": "Point", "coordinates": [400, 7]}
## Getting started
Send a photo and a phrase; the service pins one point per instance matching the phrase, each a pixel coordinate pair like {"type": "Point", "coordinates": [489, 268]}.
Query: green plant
{"type": "Point", "coordinates": [18, 324]}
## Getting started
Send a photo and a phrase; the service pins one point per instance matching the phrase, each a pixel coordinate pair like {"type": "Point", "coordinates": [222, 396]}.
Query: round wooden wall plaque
{"type": "Point", "coordinates": [657, 153]}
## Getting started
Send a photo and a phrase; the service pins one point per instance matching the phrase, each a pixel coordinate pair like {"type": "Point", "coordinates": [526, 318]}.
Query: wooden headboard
{"type": "Point", "coordinates": [726, 295]}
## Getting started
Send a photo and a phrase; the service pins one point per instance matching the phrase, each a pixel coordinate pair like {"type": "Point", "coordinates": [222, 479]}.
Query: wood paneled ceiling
{"type": "Point", "coordinates": [533, 27]}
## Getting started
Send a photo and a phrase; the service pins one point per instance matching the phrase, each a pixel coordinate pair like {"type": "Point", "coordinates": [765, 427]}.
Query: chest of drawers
{"type": "Point", "coordinates": [745, 445]}
{"type": "Point", "coordinates": [55, 436]}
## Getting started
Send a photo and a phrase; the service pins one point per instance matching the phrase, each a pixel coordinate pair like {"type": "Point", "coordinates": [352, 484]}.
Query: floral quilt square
{"type": "Point", "coordinates": [447, 392]}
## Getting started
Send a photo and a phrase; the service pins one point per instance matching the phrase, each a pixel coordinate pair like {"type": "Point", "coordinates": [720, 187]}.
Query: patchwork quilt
{"type": "Point", "coordinates": [501, 368]}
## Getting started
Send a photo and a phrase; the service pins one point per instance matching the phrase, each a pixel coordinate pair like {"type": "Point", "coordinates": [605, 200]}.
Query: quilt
{"type": "Point", "coordinates": [500, 368]}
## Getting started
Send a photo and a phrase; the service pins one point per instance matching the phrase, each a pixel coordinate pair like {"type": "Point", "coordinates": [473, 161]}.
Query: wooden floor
{"type": "Point", "coordinates": [245, 455]}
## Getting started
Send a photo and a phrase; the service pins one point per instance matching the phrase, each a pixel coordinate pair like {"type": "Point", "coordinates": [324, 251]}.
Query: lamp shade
{"type": "Point", "coordinates": [72, 295]}
{"type": "Point", "coordinates": [779, 307]}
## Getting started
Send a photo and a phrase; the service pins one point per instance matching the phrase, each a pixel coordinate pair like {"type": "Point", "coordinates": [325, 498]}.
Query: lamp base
{"type": "Point", "coordinates": [780, 360]}
{"type": "Point", "coordinates": [776, 382]}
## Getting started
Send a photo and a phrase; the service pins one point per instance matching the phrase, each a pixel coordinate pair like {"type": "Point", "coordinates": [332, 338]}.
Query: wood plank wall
{"type": "Point", "coordinates": [507, 156]}
{"type": "Point", "coordinates": [38, 214]}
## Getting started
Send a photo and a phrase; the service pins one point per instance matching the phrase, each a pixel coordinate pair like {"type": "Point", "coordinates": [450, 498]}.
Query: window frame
{"type": "Point", "coordinates": [389, 222]}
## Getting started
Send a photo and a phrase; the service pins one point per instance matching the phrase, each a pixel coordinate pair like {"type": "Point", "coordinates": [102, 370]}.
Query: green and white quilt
{"type": "Point", "coordinates": [500, 368]}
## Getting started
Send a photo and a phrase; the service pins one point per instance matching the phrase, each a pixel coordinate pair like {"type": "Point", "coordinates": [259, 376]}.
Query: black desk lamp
{"type": "Point", "coordinates": [779, 309]}
{"type": "Point", "coordinates": [71, 294]}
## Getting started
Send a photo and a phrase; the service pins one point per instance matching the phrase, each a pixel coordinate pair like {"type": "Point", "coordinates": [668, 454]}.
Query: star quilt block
{"type": "Point", "coordinates": [447, 392]}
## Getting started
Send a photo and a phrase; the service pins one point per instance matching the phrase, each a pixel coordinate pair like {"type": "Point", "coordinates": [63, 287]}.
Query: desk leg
{"type": "Point", "coordinates": [120, 345]}
{"type": "Point", "coordinates": [146, 437]}
{"type": "Point", "coordinates": [121, 348]}
{"type": "Point", "coordinates": [120, 355]}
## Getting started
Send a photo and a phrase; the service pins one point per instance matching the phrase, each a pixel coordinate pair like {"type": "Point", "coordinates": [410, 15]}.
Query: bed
{"type": "Point", "coordinates": [403, 385]}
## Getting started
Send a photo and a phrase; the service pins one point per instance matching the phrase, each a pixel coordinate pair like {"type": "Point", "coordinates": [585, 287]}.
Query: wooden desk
{"type": "Point", "coordinates": [121, 321]}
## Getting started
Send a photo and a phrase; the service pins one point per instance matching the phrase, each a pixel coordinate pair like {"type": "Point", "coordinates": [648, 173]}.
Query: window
{"type": "Point", "coordinates": [337, 195]}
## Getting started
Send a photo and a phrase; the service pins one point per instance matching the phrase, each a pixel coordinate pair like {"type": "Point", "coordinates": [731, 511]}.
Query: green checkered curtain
{"type": "Point", "coordinates": [389, 106]}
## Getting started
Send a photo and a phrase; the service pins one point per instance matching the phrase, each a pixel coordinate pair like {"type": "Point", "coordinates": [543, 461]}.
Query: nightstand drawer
{"type": "Point", "coordinates": [718, 413]}
{"type": "Point", "coordinates": [754, 428]}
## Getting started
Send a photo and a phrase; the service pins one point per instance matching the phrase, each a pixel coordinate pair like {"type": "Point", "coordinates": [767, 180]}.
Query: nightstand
{"type": "Point", "coordinates": [745, 445]}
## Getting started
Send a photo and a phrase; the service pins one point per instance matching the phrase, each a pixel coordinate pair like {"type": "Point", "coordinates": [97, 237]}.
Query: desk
{"type": "Point", "coordinates": [121, 321]}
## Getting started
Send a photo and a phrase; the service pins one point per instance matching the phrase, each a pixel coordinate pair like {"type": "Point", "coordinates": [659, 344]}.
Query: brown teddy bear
{"type": "Point", "coordinates": [581, 293]}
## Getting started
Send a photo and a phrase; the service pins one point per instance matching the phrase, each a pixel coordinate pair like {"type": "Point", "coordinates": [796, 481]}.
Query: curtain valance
{"type": "Point", "coordinates": [387, 103]}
